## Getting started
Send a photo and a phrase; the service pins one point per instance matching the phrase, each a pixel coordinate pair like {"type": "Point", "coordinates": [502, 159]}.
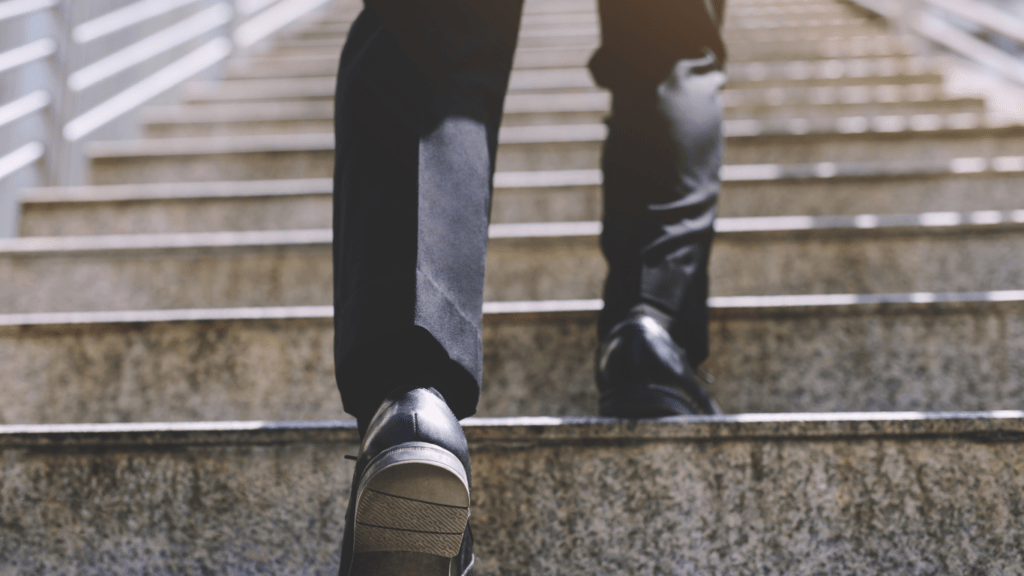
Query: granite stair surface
{"type": "Point", "coordinates": [166, 336]}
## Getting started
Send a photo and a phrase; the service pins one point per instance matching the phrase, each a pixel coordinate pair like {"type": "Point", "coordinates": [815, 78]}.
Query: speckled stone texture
{"type": "Point", "coordinates": [865, 357]}
{"type": "Point", "coordinates": [839, 109]}
{"type": "Point", "coordinates": [561, 204]}
{"type": "Point", "coordinates": [313, 159]}
{"type": "Point", "coordinates": [195, 277]}
{"type": "Point", "coordinates": [867, 147]}
{"type": "Point", "coordinates": [182, 167]}
{"type": "Point", "coordinates": [861, 494]}
{"type": "Point", "coordinates": [279, 273]}
{"type": "Point", "coordinates": [911, 259]}
{"type": "Point", "coordinates": [176, 215]}
{"type": "Point", "coordinates": [813, 197]}
{"type": "Point", "coordinates": [864, 195]}
{"type": "Point", "coordinates": [169, 371]}
{"type": "Point", "coordinates": [239, 127]}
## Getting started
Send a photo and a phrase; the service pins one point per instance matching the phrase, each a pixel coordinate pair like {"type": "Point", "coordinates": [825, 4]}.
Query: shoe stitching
{"type": "Point", "coordinates": [416, 500]}
{"type": "Point", "coordinates": [408, 530]}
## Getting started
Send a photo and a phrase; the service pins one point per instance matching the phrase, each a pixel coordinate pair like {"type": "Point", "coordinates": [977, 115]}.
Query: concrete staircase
{"type": "Point", "coordinates": [166, 343]}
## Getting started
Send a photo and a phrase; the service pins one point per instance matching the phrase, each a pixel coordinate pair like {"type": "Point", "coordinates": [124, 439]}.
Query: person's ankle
{"type": "Point", "coordinates": [370, 404]}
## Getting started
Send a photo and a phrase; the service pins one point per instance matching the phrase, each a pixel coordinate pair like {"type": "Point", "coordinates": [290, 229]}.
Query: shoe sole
{"type": "Point", "coordinates": [412, 508]}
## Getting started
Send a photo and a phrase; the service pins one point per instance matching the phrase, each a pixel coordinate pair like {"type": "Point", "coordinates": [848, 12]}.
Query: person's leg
{"type": "Point", "coordinates": [420, 92]}
{"type": "Point", "coordinates": [664, 63]}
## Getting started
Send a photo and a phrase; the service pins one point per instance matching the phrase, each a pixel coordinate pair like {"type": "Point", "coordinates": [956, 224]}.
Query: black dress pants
{"type": "Point", "coordinates": [420, 92]}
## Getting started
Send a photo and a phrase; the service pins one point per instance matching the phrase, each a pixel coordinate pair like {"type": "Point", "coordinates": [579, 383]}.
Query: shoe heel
{"type": "Point", "coordinates": [413, 501]}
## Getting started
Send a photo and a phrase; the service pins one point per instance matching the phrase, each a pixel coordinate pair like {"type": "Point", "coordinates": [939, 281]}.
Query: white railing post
{"type": "Point", "coordinates": [65, 160]}
{"type": "Point", "coordinates": [25, 98]}
{"type": "Point", "coordinates": [79, 68]}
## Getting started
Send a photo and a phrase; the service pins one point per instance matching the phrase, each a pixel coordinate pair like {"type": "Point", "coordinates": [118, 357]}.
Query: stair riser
{"type": "Point", "coordinates": [902, 195]}
{"type": "Point", "coordinates": [532, 110]}
{"type": "Point", "coordinates": [741, 49]}
{"type": "Point", "coordinates": [820, 262]}
{"type": "Point", "coordinates": [273, 68]}
{"type": "Point", "coordinates": [821, 17]}
{"type": "Point", "coordinates": [187, 278]}
{"type": "Point", "coordinates": [660, 508]}
{"type": "Point", "coordinates": [314, 91]}
{"type": "Point", "coordinates": [766, 30]}
{"type": "Point", "coordinates": [524, 59]}
{"type": "Point", "coordinates": [788, 149]}
{"type": "Point", "coordinates": [765, 263]}
{"type": "Point", "coordinates": [900, 80]}
{"type": "Point", "coordinates": [818, 197]}
{"type": "Point", "coordinates": [916, 359]}
{"type": "Point", "coordinates": [188, 215]}
{"type": "Point", "coordinates": [562, 114]}
{"type": "Point", "coordinates": [873, 147]}
{"type": "Point", "coordinates": [168, 372]}
{"type": "Point", "coordinates": [812, 197]}
{"type": "Point", "coordinates": [557, 80]}
{"type": "Point", "coordinates": [179, 130]}
{"type": "Point", "coordinates": [205, 168]}
{"type": "Point", "coordinates": [139, 505]}
{"type": "Point", "coordinates": [840, 110]}
{"type": "Point", "coordinates": [892, 357]}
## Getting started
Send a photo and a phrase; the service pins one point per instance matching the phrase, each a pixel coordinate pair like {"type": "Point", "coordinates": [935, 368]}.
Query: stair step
{"type": "Point", "coordinates": [741, 50]}
{"type": "Point", "coordinates": [589, 33]}
{"type": "Point", "coordinates": [761, 190]}
{"type": "Point", "coordinates": [526, 59]}
{"type": "Point", "coordinates": [201, 121]}
{"type": "Point", "coordinates": [792, 46]}
{"type": "Point", "coordinates": [846, 493]}
{"type": "Point", "coordinates": [177, 207]}
{"type": "Point", "coordinates": [310, 88]}
{"type": "Point", "coordinates": [854, 139]}
{"type": "Point", "coordinates": [938, 251]}
{"type": "Point", "coordinates": [808, 76]}
{"type": "Point", "coordinates": [260, 157]}
{"type": "Point", "coordinates": [568, 147]}
{"type": "Point", "coordinates": [297, 116]}
{"type": "Point", "coordinates": [833, 21]}
{"type": "Point", "coordinates": [251, 92]}
{"type": "Point", "coordinates": [815, 353]}
{"type": "Point", "coordinates": [835, 72]}
{"type": "Point", "coordinates": [879, 44]}
{"type": "Point", "coordinates": [869, 45]}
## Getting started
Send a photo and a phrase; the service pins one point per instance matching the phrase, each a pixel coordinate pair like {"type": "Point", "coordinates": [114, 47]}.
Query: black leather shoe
{"type": "Point", "coordinates": [643, 373]}
{"type": "Point", "coordinates": [409, 510]}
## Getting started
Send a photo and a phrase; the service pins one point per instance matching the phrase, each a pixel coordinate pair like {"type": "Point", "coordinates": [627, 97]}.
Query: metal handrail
{"type": "Point", "coordinates": [250, 7]}
{"type": "Point", "coordinates": [21, 158]}
{"type": "Point", "coordinates": [915, 17]}
{"type": "Point", "coordinates": [27, 54]}
{"type": "Point", "coordinates": [24, 106]}
{"type": "Point", "coordinates": [167, 78]}
{"type": "Point", "coordinates": [984, 15]}
{"type": "Point", "coordinates": [123, 18]}
{"type": "Point", "coordinates": [188, 29]}
{"type": "Point", "coordinates": [15, 8]}
{"type": "Point", "coordinates": [199, 40]}
{"type": "Point", "coordinates": [273, 19]}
